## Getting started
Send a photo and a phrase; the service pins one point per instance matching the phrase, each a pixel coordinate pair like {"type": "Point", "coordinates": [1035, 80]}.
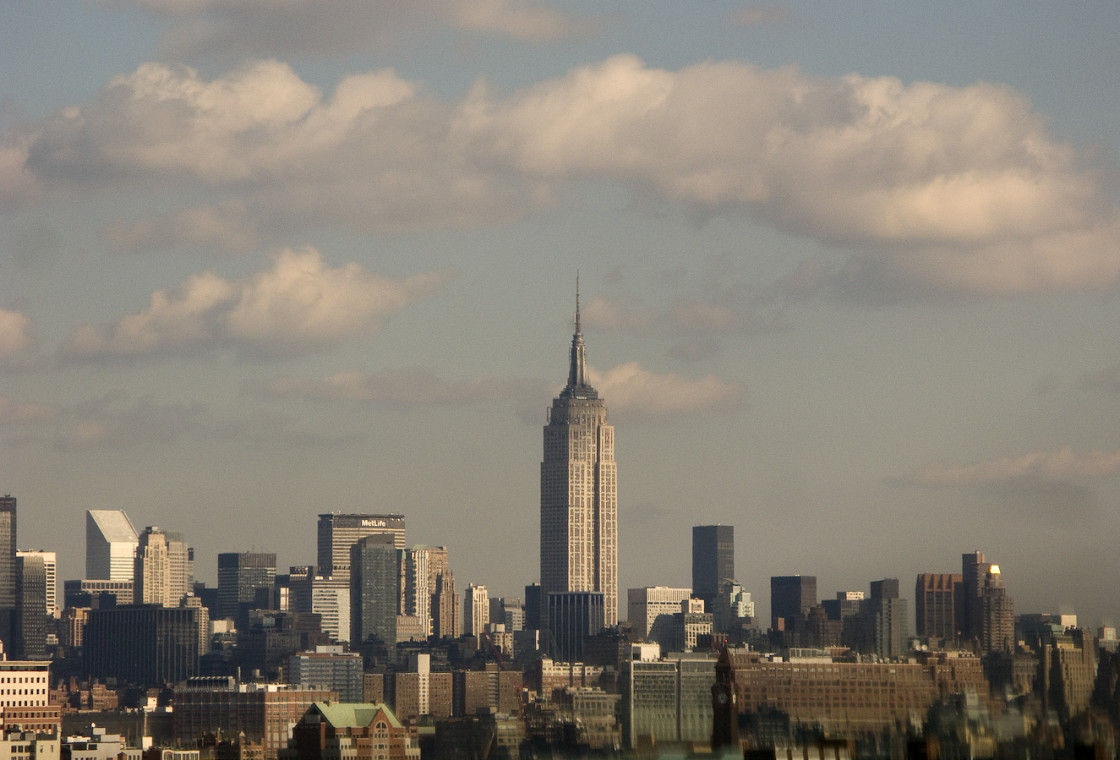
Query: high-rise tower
{"type": "Point", "coordinates": [579, 494]}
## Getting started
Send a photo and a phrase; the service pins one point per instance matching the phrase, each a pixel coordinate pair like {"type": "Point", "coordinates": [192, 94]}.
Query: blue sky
{"type": "Point", "coordinates": [848, 272]}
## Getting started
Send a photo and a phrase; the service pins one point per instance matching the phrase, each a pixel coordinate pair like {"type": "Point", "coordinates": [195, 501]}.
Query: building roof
{"type": "Point", "coordinates": [354, 714]}
{"type": "Point", "coordinates": [114, 525]}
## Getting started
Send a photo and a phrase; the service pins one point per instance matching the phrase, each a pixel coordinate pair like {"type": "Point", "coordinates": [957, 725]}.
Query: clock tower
{"type": "Point", "coordinates": [725, 708]}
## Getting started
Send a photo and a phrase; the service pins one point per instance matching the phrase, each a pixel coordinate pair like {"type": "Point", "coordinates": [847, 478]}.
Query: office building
{"type": "Point", "coordinates": [96, 593]}
{"type": "Point", "coordinates": [645, 606]}
{"type": "Point", "coordinates": [163, 569]}
{"type": "Point", "coordinates": [339, 532]}
{"type": "Point", "coordinates": [573, 616]}
{"type": "Point", "coordinates": [330, 668]}
{"type": "Point", "coordinates": [579, 494]}
{"type": "Point", "coordinates": [263, 713]}
{"type": "Point", "coordinates": [25, 697]}
{"type": "Point", "coordinates": [936, 599]}
{"type": "Point", "coordinates": [30, 634]}
{"type": "Point", "coordinates": [142, 645]}
{"type": "Point", "coordinates": [428, 591]}
{"type": "Point", "coordinates": [240, 574]}
{"type": "Point", "coordinates": [50, 568]}
{"type": "Point", "coordinates": [7, 570]}
{"type": "Point", "coordinates": [374, 569]}
{"type": "Point", "coordinates": [988, 612]}
{"type": "Point", "coordinates": [476, 610]}
{"type": "Point", "coordinates": [667, 701]}
{"type": "Point", "coordinates": [111, 543]}
{"type": "Point", "coordinates": [329, 598]}
{"type": "Point", "coordinates": [791, 597]}
{"type": "Point", "coordinates": [713, 560]}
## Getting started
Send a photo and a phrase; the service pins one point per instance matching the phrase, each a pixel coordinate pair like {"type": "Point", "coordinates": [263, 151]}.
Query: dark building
{"type": "Point", "coordinates": [988, 612]}
{"type": "Point", "coordinates": [30, 633]}
{"type": "Point", "coordinates": [240, 574]}
{"type": "Point", "coordinates": [7, 570]}
{"type": "Point", "coordinates": [144, 645]}
{"type": "Point", "coordinates": [791, 597]}
{"type": "Point", "coordinates": [533, 601]}
{"type": "Point", "coordinates": [573, 616]}
{"type": "Point", "coordinates": [271, 638]}
{"type": "Point", "coordinates": [936, 600]}
{"type": "Point", "coordinates": [713, 560]}
{"type": "Point", "coordinates": [375, 592]}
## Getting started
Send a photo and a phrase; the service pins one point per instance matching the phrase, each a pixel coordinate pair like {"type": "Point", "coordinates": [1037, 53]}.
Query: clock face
{"type": "Point", "coordinates": [722, 697]}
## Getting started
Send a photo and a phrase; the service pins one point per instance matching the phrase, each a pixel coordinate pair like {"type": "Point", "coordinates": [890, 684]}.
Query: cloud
{"type": "Point", "coordinates": [929, 188]}
{"type": "Point", "coordinates": [1059, 465]}
{"type": "Point", "coordinates": [760, 15]}
{"type": "Point", "coordinates": [403, 387]}
{"type": "Point", "coordinates": [226, 228]}
{"type": "Point", "coordinates": [259, 27]}
{"type": "Point", "coordinates": [298, 305]}
{"type": "Point", "coordinates": [13, 413]}
{"type": "Point", "coordinates": [15, 334]}
{"type": "Point", "coordinates": [632, 387]}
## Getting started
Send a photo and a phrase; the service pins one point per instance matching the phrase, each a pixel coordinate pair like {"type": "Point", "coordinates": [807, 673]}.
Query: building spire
{"type": "Point", "coordinates": [577, 369]}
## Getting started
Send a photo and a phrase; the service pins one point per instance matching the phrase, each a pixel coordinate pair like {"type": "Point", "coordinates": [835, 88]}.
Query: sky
{"type": "Point", "coordinates": [848, 276]}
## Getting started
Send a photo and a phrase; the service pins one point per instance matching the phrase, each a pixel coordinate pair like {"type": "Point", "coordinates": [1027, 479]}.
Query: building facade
{"type": "Point", "coordinates": [338, 532]}
{"type": "Point", "coordinates": [936, 598]}
{"type": "Point", "coordinates": [163, 569]}
{"type": "Point", "coordinates": [240, 574]}
{"type": "Point", "coordinates": [713, 560]}
{"type": "Point", "coordinates": [374, 590]}
{"type": "Point", "coordinates": [579, 492]}
{"type": "Point", "coordinates": [791, 597]}
{"type": "Point", "coordinates": [111, 543]}
{"type": "Point", "coordinates": [644, 606]}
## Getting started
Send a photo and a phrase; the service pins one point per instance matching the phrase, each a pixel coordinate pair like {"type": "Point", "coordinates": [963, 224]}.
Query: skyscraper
{"type": "Point", "coordinates": [163, 568]}
{"type": "Point", "coordinates": [579, 494]}
{"type": "Point", "coordinates": [375, 578]}
{"type": "Point", "coordinates": [240, 574]}
{"type": "Point", "coordinates": [936, 605]}
{"type": "Point", "coordinates": [713, 560]}
{"type": "Point", "coordinates": [110, 545]}
{"type": "Point", "coordinates": [791, 596]}
{"type": "Point", "coordinates": [50, 567]}
{"type": "Point", "coordinates": [476, 610]}
{"type": "Point", "coordinates": [339, 532]}
{"type": "Point", "coordinates": [7, 552]}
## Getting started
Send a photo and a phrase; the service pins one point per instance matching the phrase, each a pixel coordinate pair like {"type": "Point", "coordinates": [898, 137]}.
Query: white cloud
{"type": "Point", "coordinates": [958, 189]}
{"type": "Point", "coordinates": [1062, 464]}
{"type": "Point", "coordinates": [299, 304]}
{"type": "Point", "coordinates": [632, 387]}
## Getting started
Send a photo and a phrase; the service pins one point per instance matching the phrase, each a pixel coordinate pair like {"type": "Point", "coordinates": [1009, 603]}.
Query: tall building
{"type": "Point", "coordinates": [579, 493]}
{"type": "Point", "coordinates": [713, 560]}
{"type": "Point", "coordinates": [476, 610]}
{"type": "Point", "coordinates": [50, 568]}
{"type": "Point", "coordinates": [573, 617]}
{"type": "Point", "coordinates": [240, 574]}
{"type": "Point", "coordinates": [30, 634]}
{"type": "Point", "coordinates": [339, 532]}
{"type": "Point", "coordinates": [936, 598]}
{"type": "Point", "coordinates": [7, 570]}
{"type": "Point", "coordinates": [428, 591]}
{"type": "Point", "coordinates": [988, 613]}
{"type": "Point", "coordinates": [110, 545]}
{"type": "Point", "coordinates": [791, 596]}
{"type": "Point", "coordinates": [374, 569]}
{"type": "Point", "coordinates": [163, 568]}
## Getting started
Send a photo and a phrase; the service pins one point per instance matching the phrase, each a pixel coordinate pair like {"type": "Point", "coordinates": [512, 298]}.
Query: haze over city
{"type": "Point", "coordinates": [848, 277]}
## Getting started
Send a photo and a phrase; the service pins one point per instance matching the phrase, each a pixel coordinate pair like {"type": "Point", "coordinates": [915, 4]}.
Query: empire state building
{"type": "Point", "coordinates": [579, 494]}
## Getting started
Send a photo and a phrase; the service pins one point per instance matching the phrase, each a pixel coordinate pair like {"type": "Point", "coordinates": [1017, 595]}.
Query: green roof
{"type": "Point", "coordinates": [354, 714]}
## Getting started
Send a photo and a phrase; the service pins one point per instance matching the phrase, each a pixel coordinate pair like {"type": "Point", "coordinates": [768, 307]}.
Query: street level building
{"type": "Point", "coordinates": [579, 493]}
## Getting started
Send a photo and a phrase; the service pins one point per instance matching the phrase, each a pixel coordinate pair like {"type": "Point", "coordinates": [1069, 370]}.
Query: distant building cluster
{"type": "Point", "coordinates": [374, 652]}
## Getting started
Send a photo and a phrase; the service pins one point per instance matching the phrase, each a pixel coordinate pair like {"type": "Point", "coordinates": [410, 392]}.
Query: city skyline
{"type": "Point", "coordinates": [847, 272]}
